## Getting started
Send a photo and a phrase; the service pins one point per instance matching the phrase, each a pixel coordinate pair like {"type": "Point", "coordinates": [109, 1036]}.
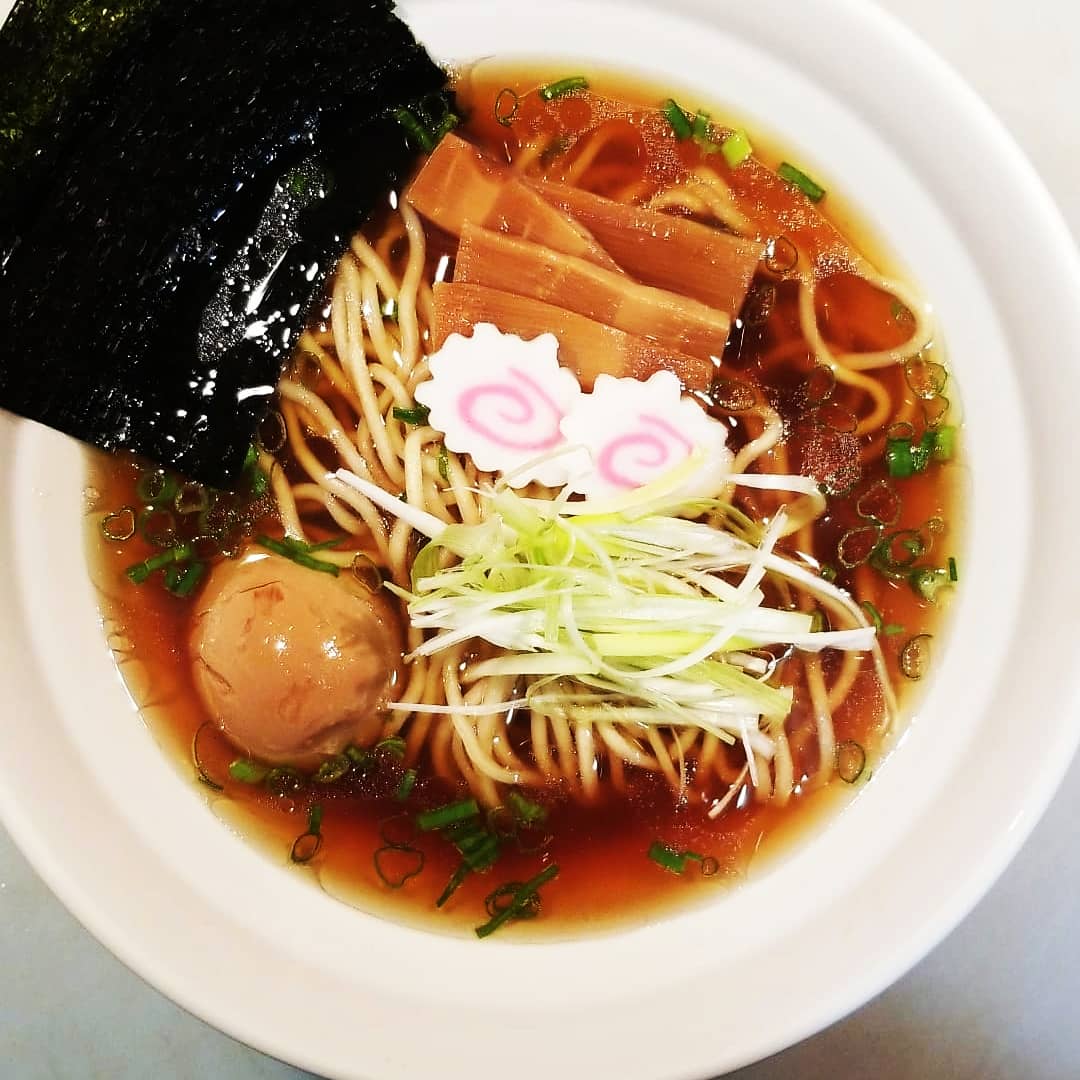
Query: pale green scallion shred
{"type": "Point", "coordinates": [594, 600]}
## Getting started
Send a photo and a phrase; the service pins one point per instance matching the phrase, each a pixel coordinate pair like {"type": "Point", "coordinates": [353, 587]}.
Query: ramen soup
{"type": "Point", "coordinates": [601, 530]}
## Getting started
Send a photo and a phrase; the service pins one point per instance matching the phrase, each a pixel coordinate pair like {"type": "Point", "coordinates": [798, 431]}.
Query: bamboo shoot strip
{"type": "Point", "coordinates": [673, 253]}
{"type": "Point", "coordinates": [586, 347]}
{"type": "Point", "coordinates": [540, 273]}
{"type": "Point", "coordinates": [459, 182]}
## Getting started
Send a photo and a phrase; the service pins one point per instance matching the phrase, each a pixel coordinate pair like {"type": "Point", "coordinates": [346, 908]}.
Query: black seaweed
{"type": "Point", "coordinates": [172, 200]}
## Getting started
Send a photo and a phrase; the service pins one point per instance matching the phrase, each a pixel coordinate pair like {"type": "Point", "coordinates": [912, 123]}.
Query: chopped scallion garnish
{"type": "Point", "coordinates": [850, 761]}
{"type": "Point", "coordinates": [915, 656]}
{"type": "Point", "coordinates": [667, 857]}
{"type": "Point", "coordinates": [525, 810]}
{"type": "Point", "coordinates": [810, 188]}
{"type": "Point", "coordinates": [442, 816]}
{"type": "Point", "coordinates": [182, 581]}
{"type": "Point", "coordinates": [954, 574]}
{"type": "Point", "coordinates": [247, 771]}
{"type": "Point", "coordinates": [397, 863]}
{"type": "Point", "coordinates": [306, 846]}
{"type": "Point", "coordinates": [200, 769]}
{"type": "Point", "coordinates": [945, 443]}
{"type": "Point", "coordinates": [119, 525]}
{"type": "Point", "coordinates": [875, 615]}
{"type": "Point", "coordinates": [524, 896]}
{"type": "Point", "coordinates": [562, 87]}
{"type": "Point", "coordinates": [332, 770]}
{"type": "Point", "coordinates": [507, 104]}
{"type": "Point", "coordinates": [736, 148]}
{"type": "Point", "coordinates": [417, 415]}
{"type": "Point", "coordinates": [408, 782]}
{"type": "Point", "coordinates": [415, 130]}
{"type": "Point", "coordinates": [679, 121]}
{"type": "Point", "coordinates": [394, 745]}
{"type": "Point", "coordinates": [926, 581]}
{"type": "Point", "coordinates": [141, 571]}
{"type": "Point", "coordinates": [301, 553]}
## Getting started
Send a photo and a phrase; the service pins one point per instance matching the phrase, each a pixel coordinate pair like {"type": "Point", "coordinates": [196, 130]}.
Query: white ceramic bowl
{"type": "Point", "coordinates": [133, 851]}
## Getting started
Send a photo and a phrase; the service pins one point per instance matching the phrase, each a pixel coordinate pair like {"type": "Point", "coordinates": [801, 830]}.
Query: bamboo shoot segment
{"type": "Point", "coordinates": [459, 183]}
{"type": "Point", "coordinates": [668, 252]}
{"type": "Point", "coordinates": [540, 273]}
{"type": "Point", "coordinates": [587, 347]}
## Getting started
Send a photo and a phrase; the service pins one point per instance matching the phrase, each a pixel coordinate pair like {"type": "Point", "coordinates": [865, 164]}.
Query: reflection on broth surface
{"type": "Point", "coordinates": [461, 695]}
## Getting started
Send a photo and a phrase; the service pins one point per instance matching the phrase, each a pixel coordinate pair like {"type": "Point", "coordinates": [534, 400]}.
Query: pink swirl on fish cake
{"type": "Point", "coordinates": [648, 450]}
{"type": "Point", "coordinates": [519, 409]}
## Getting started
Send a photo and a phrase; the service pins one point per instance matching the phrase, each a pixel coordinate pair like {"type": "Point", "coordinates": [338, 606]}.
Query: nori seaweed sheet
{"type": "Point", "coordinates": [173, 199]}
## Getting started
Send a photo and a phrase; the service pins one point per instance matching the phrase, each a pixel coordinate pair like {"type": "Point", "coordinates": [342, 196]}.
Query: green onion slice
{"type": "Point", "coordinates": [954, 574]}
{"type": "Point", "coordinates": [880, 503]}
{"type": "Point", "coordinates": [140, 572]}
{"type": "Point", "coordinates": [183, 582]}
{"type": "Point", "coordinates": [898, 459]}
{"type": "Point", "coordinates": [502, 897]}
{"type": "Point", "coordinates": [156, 487]}
{"type": "Point", "coordinates": [709, 865]}
{"type": "Point", "coordinates": [945, 443]}
{"type": "Point", "coordinates": [447, 815]}
{"type": "Point", "coordinates": [415, 130]}
{"type": "Point", "coordinates": [444, 464]}
{"type": "Point", "coordinates": [896, 553]}
{"type": "Point", "coordinates": [300, 553]}
{"type": "Point", "coordinates": [522, 898]}
{"type": "Point", "coordinates": [332, 770]}
{"type": "Point", "coordinates": [562, 87]}
{"type": "Point", "coordinates": [366, 572]}
{"type": "Point", "coordinates": [915, 656]}
{"type": "Point", "coordinates": [875, 615]}
{"type": "Point", "coordinates": [935, 410]}
{"type": "Point", "coordinates": [200, 769]}
{"type": "Point", "coordinates": [679, 121]}
{"type": "Point", "coordinates": [397, 863]}
{"type": "Point", "coordinates": [305, 847]}
{"type": "Point", "coordinates": [850, 761]}
{"type": "Point", "coordinates": [857, 545]}
{"type": "Point", "coordinates": [457, 878]}
{"type": "Point", "coordinates": [925, 378]}
{"type": "Point", "coordinates": [192, 498]}
{"type": "Point", "coordinates": [810, 188]}
{"type": "Point", "coordinates": [525, 810]}
{"type": "Point", "coordinates": [667, 857]}
{"type": "Point", "coordinates": [416, 415]}
{"type": "Point", "coordinates": [404, 788]}
{"type": "Point", "coordinates": [507, 104]}
{"type": "Point", "coordinates": [926, 580]}
{"type": "Point", "coordinates": [736, 148]}
{"type": "Point", "coordinates": [247, 771]}
{"type": "Point", "coordinates": [394, 745]}
{"type": "Point", "coordinates": [119, 525]}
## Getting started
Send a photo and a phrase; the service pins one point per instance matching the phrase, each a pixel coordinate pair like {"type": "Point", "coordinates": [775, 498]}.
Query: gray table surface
{"type": "Point", "coordinates": [998, 999]}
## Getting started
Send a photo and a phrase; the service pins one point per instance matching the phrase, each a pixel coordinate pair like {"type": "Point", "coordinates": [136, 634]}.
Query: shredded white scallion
{"type": "Point", "coordinates": [624, 610]}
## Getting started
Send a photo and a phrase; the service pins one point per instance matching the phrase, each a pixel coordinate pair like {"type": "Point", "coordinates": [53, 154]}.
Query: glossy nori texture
{"type": "Point", "coordinates": [173, 199]}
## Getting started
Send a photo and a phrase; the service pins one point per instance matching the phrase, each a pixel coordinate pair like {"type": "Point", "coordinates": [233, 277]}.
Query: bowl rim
{"type": "Point", "coordinates": [1049, 239]}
